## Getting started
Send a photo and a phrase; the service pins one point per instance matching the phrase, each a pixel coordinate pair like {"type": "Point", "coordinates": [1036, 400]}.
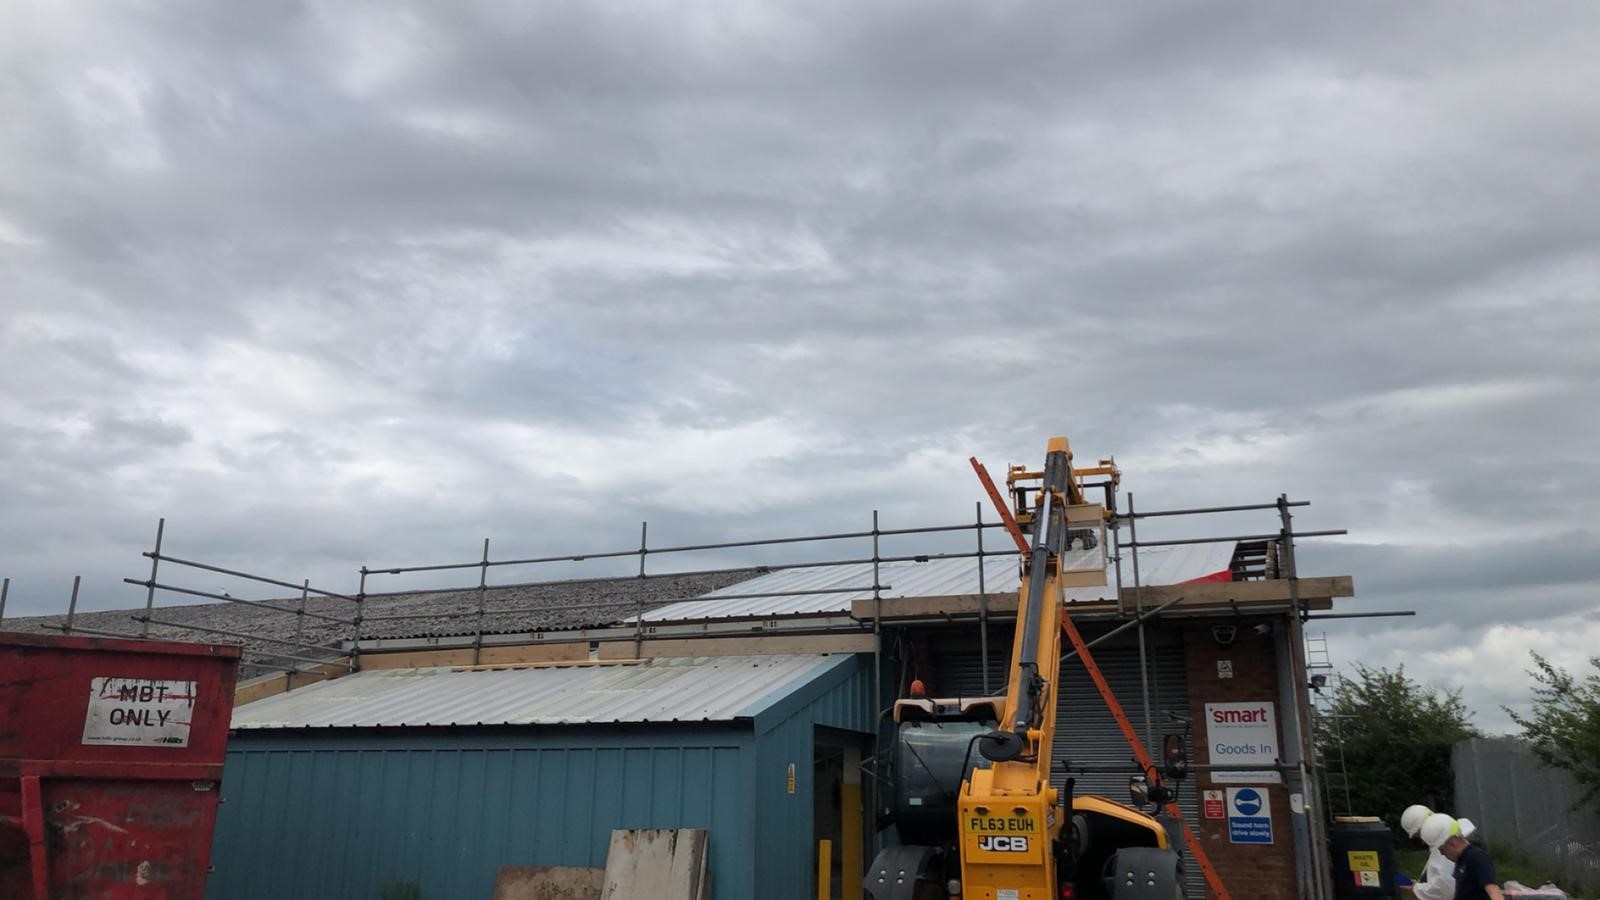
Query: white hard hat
{"type": "Point", "coordinates": [1411, 820]}
{"type": "Point", "coordinates": [1437, 828]}
{"type": "Point", "coordinates": [1465, 828]}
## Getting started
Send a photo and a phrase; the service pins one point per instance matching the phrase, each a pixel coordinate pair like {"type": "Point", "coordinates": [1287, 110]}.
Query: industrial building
{"type": "Point", "coordinates": [436, 744]}
{"type": "Point", "coordinates": [437, 777]}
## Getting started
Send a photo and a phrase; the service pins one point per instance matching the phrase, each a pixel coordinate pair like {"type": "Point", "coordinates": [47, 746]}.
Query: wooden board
{"type": "Point", "coordinates": [743, 646]}
{"type": "Point", "coordinates": [532, 653]}
{"type": "Point", "coordinates": [558, 664]}
{"type": "Point", "coordinates": [548, 883]}
{"type": "Point", "coordinates": [656, 864]}
{"type": "Point", "coordinates": [408, 659]}
{"type": "Point", "coordinates": [1317, 592]}
{"type": "Point", "coordinates": [462, 656]}
{"type": "Point", "coordinates": [273, 685]}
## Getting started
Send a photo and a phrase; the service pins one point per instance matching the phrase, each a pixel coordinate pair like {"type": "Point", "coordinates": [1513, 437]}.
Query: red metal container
{"type": "Point", "coordinates": [110, 757]}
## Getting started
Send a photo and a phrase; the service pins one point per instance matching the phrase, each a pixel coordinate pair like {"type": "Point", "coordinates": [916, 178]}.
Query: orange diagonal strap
{"type": "Point", "coordinates": [1140, 752]}
{"type": "Point", "coordinates": [1000, 504]}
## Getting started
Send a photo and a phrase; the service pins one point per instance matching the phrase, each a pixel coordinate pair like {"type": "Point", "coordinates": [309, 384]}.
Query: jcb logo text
{"type": "Point", "coordinates": [999, 843]}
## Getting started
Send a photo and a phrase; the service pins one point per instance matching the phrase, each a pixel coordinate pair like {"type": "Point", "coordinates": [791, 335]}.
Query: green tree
{"type": "Point", "coordinates": [1563, 728]}
{"type": "Point", "coordinates": [1396, 737]}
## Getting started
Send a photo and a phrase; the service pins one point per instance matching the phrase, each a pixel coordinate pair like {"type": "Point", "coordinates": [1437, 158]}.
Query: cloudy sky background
{"type": "Point", "coordinates": [329, 284]}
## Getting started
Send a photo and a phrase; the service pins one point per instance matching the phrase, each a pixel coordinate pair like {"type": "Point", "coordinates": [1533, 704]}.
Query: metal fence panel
{"type": "Point", "coordinates": [1516, 802]}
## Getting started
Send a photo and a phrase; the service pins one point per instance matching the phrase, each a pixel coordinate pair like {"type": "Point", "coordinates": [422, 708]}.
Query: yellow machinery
{"type": "Point", "coordinates": [1005, 833]}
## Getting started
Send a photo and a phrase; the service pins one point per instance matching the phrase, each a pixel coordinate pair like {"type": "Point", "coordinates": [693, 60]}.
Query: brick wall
{"type": "Point", "coordinates": [1250, 871]}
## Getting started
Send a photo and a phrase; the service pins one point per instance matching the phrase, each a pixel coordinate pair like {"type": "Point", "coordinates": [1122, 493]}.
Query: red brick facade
{"type": "Point", "coordinates": [1250, 871]}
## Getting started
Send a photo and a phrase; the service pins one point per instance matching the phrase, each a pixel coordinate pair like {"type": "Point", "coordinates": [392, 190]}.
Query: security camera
{"type": "Point", "coordinates": [1261, 628]}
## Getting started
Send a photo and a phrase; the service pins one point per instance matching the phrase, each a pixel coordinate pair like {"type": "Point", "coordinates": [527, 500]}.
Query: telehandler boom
{"type": "Point", "coordinates": [976, 814]}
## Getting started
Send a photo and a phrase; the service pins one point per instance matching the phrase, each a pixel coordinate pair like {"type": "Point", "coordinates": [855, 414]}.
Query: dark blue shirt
{"type": "Point", "coordinates": [1474, 873]}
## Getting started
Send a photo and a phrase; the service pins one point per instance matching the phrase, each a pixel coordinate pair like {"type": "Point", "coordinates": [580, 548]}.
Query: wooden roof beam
{"type": "Point", "coordinates": [1318, 593]}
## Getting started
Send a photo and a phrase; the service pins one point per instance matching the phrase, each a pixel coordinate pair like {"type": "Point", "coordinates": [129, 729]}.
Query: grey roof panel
{"type": "Point", "coordinates": [509, 609]}
{"type": "Point", "coordinates": [687, 689]}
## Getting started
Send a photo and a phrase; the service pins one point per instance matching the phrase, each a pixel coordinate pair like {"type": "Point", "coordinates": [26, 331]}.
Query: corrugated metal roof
{"type": "Point", "coordinates": [934, 578]}
{"type": "Point", "coordinates": [687, 689]}
{"type": "Point", "coordinates": [1179, 563]}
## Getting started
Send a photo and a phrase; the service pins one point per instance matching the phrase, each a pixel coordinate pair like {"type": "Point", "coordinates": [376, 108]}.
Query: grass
{"type": "Point", "coordinates": [1510, 864]}
{"type": "Point", "coordinates": [1411, 860]}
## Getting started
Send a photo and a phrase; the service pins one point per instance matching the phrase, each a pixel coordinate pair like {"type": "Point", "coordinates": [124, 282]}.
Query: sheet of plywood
{"type": "Point", "coordinates": [548, 883]}
{"type": "Point", "coordinates": [656, 864]}
{"type": "Point", "coordinates": [1212, 595]}
{"type": "Point", "coordinates": [462, 656]}
{"type": "Point", "coordinates": [273, 685]}
{"type": "Point", "coordinates": [742, 646]}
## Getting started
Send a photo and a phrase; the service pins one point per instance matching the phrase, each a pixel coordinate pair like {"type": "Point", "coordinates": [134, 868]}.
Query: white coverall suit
{"type": "Point", "coordinates": [1438, 878]}
{"type": "Point", "coordinates": [1439, 874]}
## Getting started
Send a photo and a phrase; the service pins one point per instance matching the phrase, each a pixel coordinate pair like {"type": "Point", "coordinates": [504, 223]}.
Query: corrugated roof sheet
{"type": "Point", "coordinates": [689, 689]}
{"type": "Point", "coordinates": [934, 578]}
{"type": "Point", "coordinates": [1179, 563]}
{"type": "Point", "coordinates": [511, 608]}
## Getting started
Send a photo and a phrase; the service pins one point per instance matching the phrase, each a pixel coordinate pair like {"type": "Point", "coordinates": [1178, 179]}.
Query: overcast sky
{"type": "Point", "coordinates": [338, 283]}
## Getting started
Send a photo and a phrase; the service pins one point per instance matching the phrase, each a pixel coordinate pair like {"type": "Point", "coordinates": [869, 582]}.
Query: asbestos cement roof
{"type": "Point", "coordinates": [789, 590]}
{"type": "Point", "coordinates": [686, 689]}
{"type": "Point", "coordinates": [508, 609]}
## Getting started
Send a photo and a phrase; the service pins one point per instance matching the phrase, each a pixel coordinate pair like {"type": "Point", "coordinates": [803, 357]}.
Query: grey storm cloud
{"type": "Point", "coordinates": [328, 284]}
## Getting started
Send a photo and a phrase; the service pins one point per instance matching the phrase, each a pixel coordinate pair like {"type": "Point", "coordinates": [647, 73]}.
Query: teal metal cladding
{"type": "Point", "coordinates": [345, 814]}
{"type": "Point", "coordinates": [787, 727]}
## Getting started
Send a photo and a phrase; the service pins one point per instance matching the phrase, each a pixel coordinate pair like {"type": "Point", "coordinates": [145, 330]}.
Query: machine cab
{"type": "Point", "coordinates": [933, 750]}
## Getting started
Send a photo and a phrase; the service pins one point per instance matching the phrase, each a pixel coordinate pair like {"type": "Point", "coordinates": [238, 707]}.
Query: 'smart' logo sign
{"type": "Point", "coordinates": [1242, 734]}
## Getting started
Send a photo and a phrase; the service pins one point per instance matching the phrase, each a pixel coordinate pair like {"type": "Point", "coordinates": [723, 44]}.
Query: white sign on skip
{"type": "Point", "coordinates": [139, 711]}
{"type": "Point", "coordinates": [1243, 735]}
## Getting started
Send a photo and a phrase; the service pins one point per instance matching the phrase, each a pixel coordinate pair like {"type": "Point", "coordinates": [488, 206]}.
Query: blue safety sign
{"type": "Point", "coordinates": [1249, 816]}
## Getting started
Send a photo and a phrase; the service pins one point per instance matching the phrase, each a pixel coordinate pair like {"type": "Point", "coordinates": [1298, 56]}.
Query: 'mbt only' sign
{"type": "Point", "coordinates": [139, 712]}
{"type": "Point", "coordinates": [1242, 734]}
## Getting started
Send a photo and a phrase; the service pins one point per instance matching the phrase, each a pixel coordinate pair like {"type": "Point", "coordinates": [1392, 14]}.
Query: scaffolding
{"type": "Point", "coordinates": [346, 619]}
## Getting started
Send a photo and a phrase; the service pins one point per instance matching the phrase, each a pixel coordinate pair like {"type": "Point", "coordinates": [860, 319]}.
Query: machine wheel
{"type": "Point", "coordinates": [1145, 873]}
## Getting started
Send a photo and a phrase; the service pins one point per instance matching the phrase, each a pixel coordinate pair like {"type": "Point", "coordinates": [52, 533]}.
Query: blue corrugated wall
{"type": "Point", "coordinates": [337, 814]}
{"type": "Point", "coordinates": [786, 734]}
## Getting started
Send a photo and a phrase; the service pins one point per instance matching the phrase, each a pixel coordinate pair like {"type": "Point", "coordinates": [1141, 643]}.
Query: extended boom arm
{"type": "Point", "coordinates": [1010, 815]}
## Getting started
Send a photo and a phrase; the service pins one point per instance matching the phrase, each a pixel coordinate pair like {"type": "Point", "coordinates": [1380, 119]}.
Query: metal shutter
{"type": "Point", "coordinates": [1086, 733]}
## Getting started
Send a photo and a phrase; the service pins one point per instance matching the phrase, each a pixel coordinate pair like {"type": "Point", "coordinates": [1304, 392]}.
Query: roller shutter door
{"type": "Point", "coordinates": [1086, 732]}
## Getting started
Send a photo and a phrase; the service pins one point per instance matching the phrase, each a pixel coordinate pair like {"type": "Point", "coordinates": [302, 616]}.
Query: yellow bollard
{"type": "Point", "coordinates": [824, 870]}
{"type": "Point", "coordinates": [850, 840]}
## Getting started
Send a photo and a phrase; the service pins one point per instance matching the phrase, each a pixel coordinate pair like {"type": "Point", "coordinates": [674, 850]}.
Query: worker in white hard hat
{"type": "Point", "coordinates": [1411, 820]}
{"type": "Point", "coordinates": [1438, 880]}
{"type": "Point", "coordinates": [1474, 873]}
